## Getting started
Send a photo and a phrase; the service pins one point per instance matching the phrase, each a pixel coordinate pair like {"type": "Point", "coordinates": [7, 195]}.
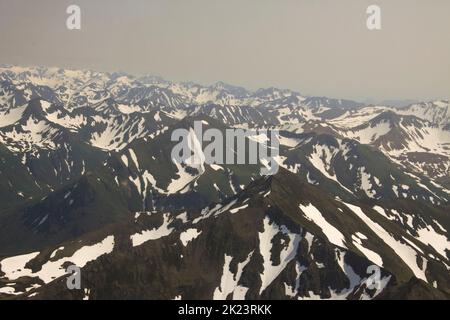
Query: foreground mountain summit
{"type": "Point", "coordinates": [87, 179]}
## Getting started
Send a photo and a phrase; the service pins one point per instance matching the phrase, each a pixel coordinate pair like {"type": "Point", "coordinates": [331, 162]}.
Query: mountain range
{"type": "Point", "coordinates": [86, 178]}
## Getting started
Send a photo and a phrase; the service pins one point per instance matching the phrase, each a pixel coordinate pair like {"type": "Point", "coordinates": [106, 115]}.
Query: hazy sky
{"type": "Point", "coordinates": [319, 47]}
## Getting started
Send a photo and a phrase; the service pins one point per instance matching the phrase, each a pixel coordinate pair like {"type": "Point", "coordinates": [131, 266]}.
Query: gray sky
{"type": "Point", "coordinates": [319, 47]}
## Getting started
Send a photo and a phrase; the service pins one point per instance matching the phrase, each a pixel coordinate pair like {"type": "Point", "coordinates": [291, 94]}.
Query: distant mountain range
{"type": "Point", "coordinates": [86, 178]}
{"type": "Point", "coordinates": [398, 103]}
